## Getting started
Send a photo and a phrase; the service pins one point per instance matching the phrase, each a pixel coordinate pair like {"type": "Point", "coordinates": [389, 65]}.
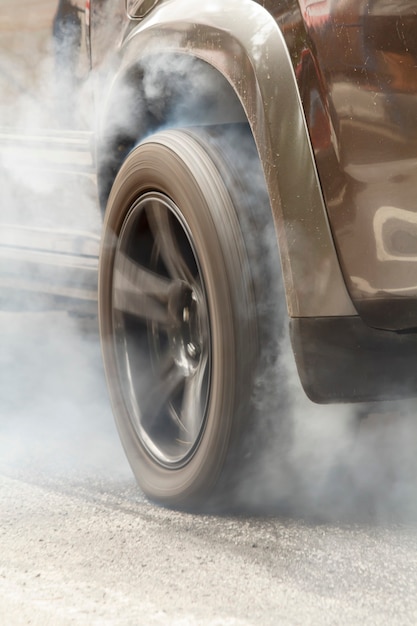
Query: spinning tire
{"type": "Point", "coordinates": [178, 311]}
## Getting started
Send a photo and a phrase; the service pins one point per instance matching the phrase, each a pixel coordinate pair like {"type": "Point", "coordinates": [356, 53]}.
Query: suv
{"type": "Point", "coordinates": [256, 167]}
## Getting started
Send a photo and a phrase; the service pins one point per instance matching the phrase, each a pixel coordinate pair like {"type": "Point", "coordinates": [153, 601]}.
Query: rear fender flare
{"type": "Point", "coordinates": [244, 44]}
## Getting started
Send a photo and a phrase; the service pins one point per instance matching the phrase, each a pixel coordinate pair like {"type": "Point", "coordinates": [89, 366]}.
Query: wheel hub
{"type": "Point", "coordinates": [184, 333]}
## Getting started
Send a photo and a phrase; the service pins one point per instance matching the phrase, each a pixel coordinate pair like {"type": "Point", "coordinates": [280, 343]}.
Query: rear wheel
{"type": "Point", "coordinates": [180, 320]}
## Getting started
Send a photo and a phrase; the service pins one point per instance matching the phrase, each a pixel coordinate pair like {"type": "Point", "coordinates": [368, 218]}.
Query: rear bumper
{"type": "Point", "coordinates": [341, 359]}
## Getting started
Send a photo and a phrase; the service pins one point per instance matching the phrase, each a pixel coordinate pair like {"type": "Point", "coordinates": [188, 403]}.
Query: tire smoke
{"type": "Point", "coordinates": [338, 462]}
{"type": "Point", "coordinates": [344, 463]}
{"type": "Point", "coordinates": [55, 416]}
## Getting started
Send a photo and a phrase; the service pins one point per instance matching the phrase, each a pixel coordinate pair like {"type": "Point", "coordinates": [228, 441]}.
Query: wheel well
{"type": "Point", "coordinates": [163, 91]}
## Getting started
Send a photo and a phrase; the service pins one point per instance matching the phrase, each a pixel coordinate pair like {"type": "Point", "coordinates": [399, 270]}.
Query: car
{"type": "Point", "coordinates": [256, 170]}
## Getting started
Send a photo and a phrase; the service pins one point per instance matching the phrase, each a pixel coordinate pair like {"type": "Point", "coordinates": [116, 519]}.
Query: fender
{"type": "Point", "coordinates": [244, 44]}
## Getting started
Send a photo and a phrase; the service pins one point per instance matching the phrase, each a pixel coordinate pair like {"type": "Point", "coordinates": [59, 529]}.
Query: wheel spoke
{"type": "Point", "coordinates": [167, 241]}
{"type": "Point", "coordinates": [192, 410]}
{"type": "Point", "coordinates": [165, 385]}
{"type": "Point", "coordinates": [139, 291]}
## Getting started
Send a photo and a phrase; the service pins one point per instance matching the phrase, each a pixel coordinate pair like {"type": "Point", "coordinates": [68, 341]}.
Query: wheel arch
{"type": "Point", "coordinates": [244, 51]}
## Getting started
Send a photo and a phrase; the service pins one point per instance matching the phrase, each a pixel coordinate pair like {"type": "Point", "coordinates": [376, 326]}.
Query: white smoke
{"type": "Point", "coordinates": [55, 415]}
{"type": "Point", "coordinates": [343, 462]}
{"type": "Point", "coordinates": [55, 411]}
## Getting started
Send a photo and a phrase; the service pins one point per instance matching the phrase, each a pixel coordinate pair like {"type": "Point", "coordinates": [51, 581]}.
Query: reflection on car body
{"type": "Point", "coordinates": [206, 128]}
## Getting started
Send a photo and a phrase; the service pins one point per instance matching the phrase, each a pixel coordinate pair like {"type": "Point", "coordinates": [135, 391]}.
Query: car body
{"type": "Point", "coordinates": [327, 91]}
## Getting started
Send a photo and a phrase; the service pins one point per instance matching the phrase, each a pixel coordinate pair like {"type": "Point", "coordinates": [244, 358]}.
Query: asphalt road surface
{"type": "Point", "coordinates": [79, 543]}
